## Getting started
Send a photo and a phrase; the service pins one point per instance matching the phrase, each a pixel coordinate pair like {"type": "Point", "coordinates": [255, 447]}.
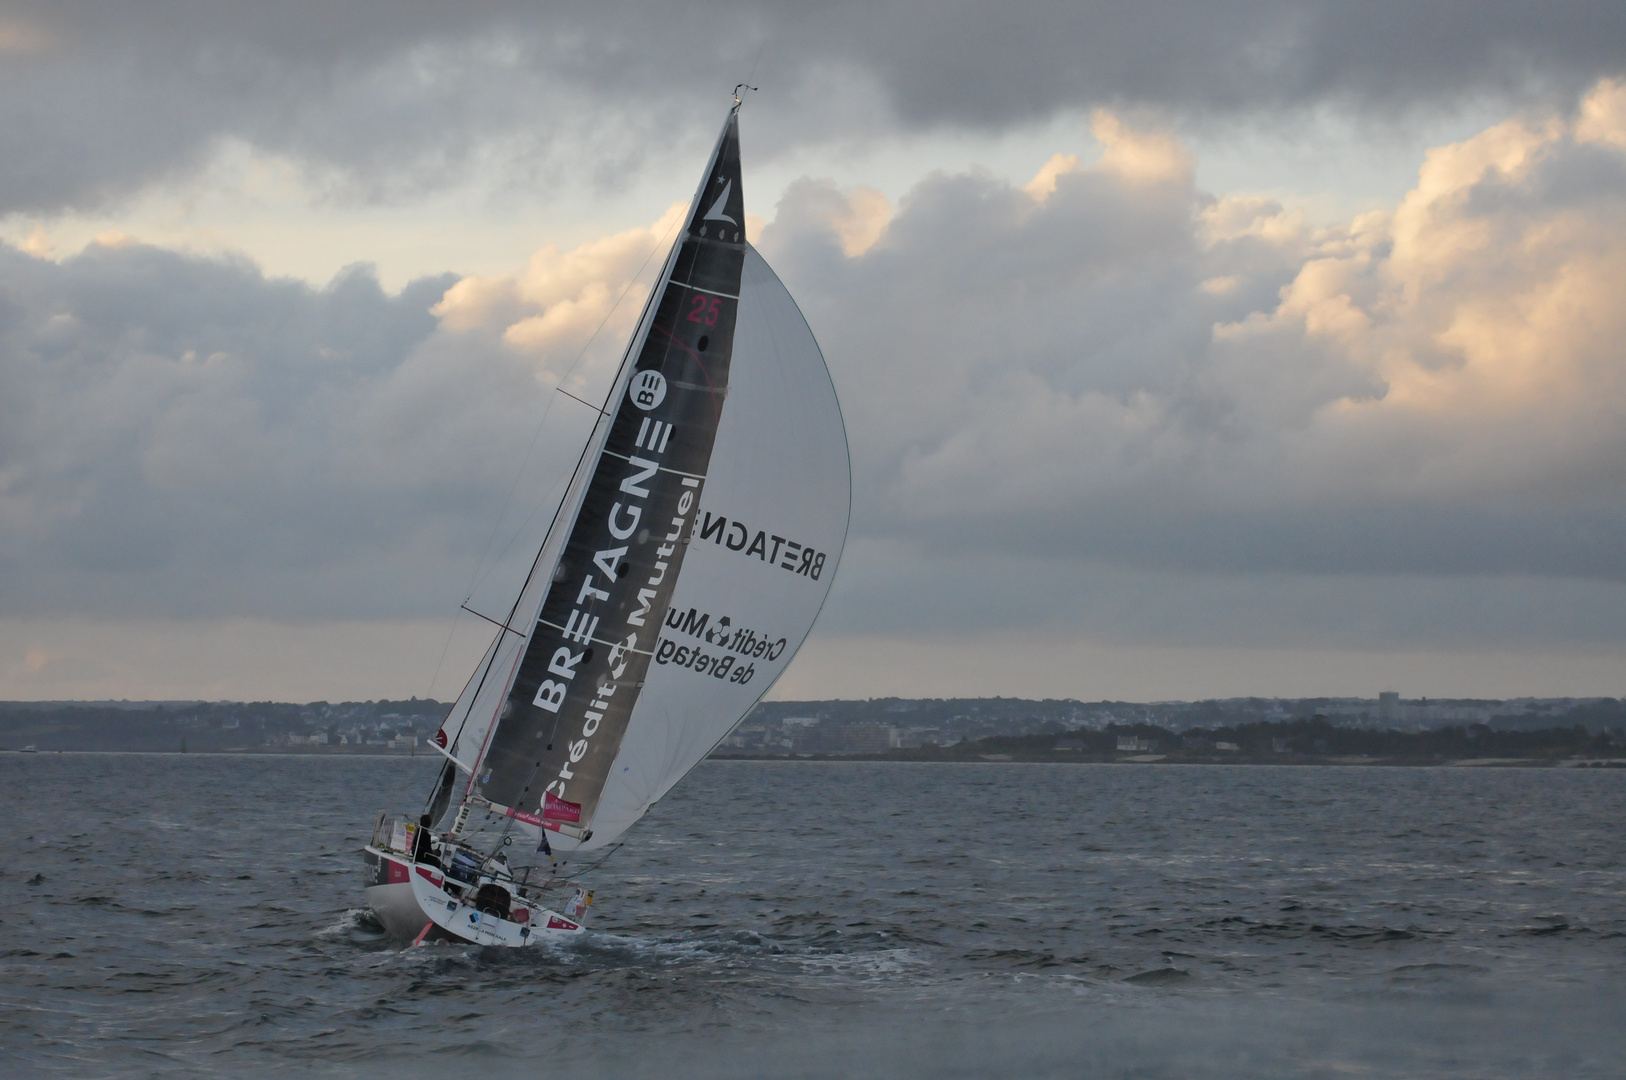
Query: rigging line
{"type": "Point", "coordinates": [447, 719]}
{"type": "Point", "coordinates": [557, 490]}
{"type": "Point", "coordinates": [557, 510]}
{"type": "Point", "coordinates": [514, 610]}
{"type": "Point", "coordinates": [489, 619]}
{"type": "Point", "coordinates": [639, 337]}
{"type": "Point", "coordinates": [451, 632]}
{"type": "Point", "coordinates": [649, 302]}
{"type": "Point", "coordinates": [519, 475]}
{"type": "Point", "coordinates": [473, 583]}
{"type": "Point", "coordinates": [485, 673]}
{"type": "Point", "coordinates": [601, 862]}
{"type": "Point", "coordinates": [662, 242]}
{"type": "Point", "coordinates": [573, 397]}
{"type": "Point", "coordinates": [711, 389]}
{"type": "Point", "coordinates": [627, 358]}
{"type": "Point", "coordinates": [474, 574]}
{"type": "Point", "coordinates": [581, 460]}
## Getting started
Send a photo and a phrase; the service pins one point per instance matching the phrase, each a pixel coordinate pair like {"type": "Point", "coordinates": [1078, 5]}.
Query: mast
{"type": "Point", "coordinates": [586, 622]}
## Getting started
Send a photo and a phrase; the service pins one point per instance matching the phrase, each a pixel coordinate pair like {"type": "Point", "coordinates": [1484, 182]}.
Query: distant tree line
{"type": "Point", "coordinates": [1318, 737]}
{"type": "Point", "coordinates": [204, 726]}
{"type": "Point", "coordinates": [946, 728]}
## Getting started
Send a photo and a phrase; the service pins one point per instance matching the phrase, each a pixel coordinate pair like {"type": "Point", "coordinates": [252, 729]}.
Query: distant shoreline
{"type": "Point", "coordinates": [1258, 760]}
{"type": "Point", "coordinates": [1261, 760]}
{"type": "Point", "coordinates": [242, 751]}
{"type": "Point", "coordinates": [1359, 732]}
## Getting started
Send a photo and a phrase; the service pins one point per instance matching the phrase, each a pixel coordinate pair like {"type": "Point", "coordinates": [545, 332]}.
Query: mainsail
{"type": "Point", "coordinates": [690, 557]}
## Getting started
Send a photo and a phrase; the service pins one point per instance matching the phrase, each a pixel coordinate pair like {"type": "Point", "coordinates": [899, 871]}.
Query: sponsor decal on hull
{"type": "Point", "coordinates": [405, 901]}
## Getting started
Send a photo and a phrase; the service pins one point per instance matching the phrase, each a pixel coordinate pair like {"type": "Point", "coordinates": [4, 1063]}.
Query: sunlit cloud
{"type": "Point", "coordinates": [19, 38]}
{"type": "Point", "coordinates": [1043, 184]}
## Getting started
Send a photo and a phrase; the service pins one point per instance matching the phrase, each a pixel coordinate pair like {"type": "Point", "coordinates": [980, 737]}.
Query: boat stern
{"type": "Point", "coordinates": [390, 894]}
{"type": "Point", "coordinates": [421, 901]}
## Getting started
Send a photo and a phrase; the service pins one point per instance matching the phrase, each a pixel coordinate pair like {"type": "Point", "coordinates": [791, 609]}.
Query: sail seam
{"type": "Point", "coordinates": [708, 292]}
{"type": "Point", "coordinates": [662, 468]}
{"type": "Point", "coordinates": [596, 641]}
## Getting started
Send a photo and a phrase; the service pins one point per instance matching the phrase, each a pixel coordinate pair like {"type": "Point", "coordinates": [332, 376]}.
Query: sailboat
{"type": "Point", "coordinates": [686, 563]}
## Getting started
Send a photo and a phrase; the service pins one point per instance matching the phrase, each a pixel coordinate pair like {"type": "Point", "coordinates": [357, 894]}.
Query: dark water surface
{"type": "Point", "coordinates": [201, 915]}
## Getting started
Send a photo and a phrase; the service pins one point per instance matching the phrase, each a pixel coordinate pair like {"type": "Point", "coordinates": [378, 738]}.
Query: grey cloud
{"type": "Point", "coordinates": [1128, 410]}
{"type": "Point", "coordinates": [1132, 374]}
{"type": "Point", "coordinates": [98, 99]}
{"type": "Point", "coordinates": [900, 587]}
{"type": "Point", "coordinates": [182, 436]}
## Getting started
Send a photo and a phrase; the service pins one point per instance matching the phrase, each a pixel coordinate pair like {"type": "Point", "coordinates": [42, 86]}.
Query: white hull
{"type": "Point", "coordinates": [419, 902]}
{"type": "Point", "coordinates": [397, 909]}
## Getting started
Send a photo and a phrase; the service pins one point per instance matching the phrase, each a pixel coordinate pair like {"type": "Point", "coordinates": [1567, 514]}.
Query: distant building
{"type": "Point", "coordinates": [869, 738]}
{"type": "Point", "coordinates": [1134, 744]}
{"type": "Point", "coordinates": [862, 738]}
{"type": "Point", "coordinates": [1389, 705]}
{"type": "Point", "coordinates": [1228, 746]}
{"type": "Point", "coordinates": [910, 738]}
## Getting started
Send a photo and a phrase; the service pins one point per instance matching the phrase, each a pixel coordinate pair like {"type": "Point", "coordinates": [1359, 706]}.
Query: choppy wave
{"type": "Point", "coordinates": [203, 916]}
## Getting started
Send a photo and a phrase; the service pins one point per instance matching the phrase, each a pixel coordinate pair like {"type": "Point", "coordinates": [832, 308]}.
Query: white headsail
{"type": "Point", "coordinates": [763, 551]}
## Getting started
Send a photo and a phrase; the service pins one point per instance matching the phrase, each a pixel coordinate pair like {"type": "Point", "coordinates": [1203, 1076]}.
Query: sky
{"type": "Point", "coordinates": [1186, 350]}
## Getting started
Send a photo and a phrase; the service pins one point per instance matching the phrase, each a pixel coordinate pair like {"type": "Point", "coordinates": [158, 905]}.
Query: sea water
{"type": "Point", "coordinates": [202, 915]}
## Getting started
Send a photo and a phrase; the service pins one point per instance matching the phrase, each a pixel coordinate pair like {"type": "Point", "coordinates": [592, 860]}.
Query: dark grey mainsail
{"type": "Point", "coordinates": [567, 707]}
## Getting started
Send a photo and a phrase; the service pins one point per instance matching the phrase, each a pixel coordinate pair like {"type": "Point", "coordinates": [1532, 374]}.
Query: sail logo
{"type": "Point", "coordinates": [724, 634]}
{"type": "Point", "coordinates": [555, 809]}
{"type": "Point", "coordinates": [790, 555]}
{"type": "Point", "coordinates": [697, 659]}
{"type": "Point", "coordinates": [647, 389]}
{"type": "Point", "coordinates": [716, 213]}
